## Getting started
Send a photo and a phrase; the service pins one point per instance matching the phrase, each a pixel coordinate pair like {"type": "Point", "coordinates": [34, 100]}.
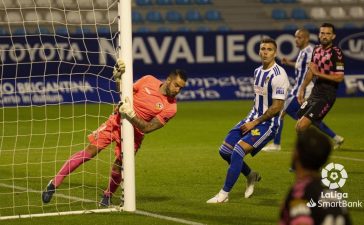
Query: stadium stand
{"type": "Point", "coordinates": [191, 15]}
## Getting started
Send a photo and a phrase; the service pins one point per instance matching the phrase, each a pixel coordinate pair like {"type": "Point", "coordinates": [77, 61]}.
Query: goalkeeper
{"type": "Point", "coordinates": [154, 105]}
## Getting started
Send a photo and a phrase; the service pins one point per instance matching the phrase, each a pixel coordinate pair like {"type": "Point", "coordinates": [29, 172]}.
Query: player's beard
{"type": "Point", "coordinates": [325, 42]}
{"type": "Point", "coordinates": [170, 93]}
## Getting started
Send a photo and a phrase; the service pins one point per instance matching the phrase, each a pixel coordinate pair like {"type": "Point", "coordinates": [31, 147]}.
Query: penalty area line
{"type": "Point", "coordinates": [138, 212]}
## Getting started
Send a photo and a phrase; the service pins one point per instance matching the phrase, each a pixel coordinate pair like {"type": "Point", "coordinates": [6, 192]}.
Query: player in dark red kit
{"type": "Point", "coordinates": [327, 71]}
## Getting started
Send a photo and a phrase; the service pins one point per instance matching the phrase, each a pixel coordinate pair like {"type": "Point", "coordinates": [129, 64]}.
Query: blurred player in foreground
{"type": "Point", "coordinates": [304, 203]}
{"type": "Point", "coordinates": [327, 71]}
{"type": "Point", "coordinates": [251, 134]}
{"type": "Point", "coordinates": [292, 106]}
{"type": "Point", "coordinates": [154, 105]}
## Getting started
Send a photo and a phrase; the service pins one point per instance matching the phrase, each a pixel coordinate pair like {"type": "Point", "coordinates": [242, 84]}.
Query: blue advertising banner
{"type": "Point", "coordinates": [51, 69]}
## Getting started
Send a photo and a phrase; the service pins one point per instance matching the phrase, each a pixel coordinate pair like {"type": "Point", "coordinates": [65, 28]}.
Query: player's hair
{"type": "Point", "coordinates": [313, 148]}
{"type": "Point", "coordinates": [329, 25]}
{"type": "Point", "coordinates": [269, 40]}
{"type": "Point", "coordinates": [178, 72]}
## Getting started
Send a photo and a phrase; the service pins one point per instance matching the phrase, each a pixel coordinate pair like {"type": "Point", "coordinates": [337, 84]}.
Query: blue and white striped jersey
{"type": "Point", "coordinates": [268, 85]}
{"type": "Point", "coordinates": [301, 67]}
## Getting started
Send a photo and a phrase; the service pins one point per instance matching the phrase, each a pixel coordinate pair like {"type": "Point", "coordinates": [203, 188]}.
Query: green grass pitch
{"type": "Point", "coordinates": [177, 168]}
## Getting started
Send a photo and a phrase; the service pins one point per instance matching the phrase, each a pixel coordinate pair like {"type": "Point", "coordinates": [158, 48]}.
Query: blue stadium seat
{"type": "Point", "coordinates": [183, 29]}
{"type": "Point", "coordinates": [80, 30]}
{"type": "Point", "coordinates": [164, 29]}
{"type": "Point", "coordinates": [203, 2]}
{"type": "Point", "coordinates": [288, 1]}
{"type": "Point", "coordinates": [2, 31]}
{"type": "Point", "coordinates": [19, 31]}
{"type": "Point", "coordinates": [279, 14]}
{"type": "Point", "coordinates": [136, 17]}
{"type": "Point", "coordinates": [349, 26]}
{"type": "Point", "coordinates": [184, 2]}
{"type": "Point", "coordinates": [223, 28]}
{"type": "Point", "coordinates": [42, 30]}
{"type": "Point", "coordinates": [203, 29]}
{"type": "Point", "coordinates": [164, 2]}
{"type": "Point", "coordinates": [154, 16]}
{"type": "Point", "coordinates": [143, 30]}
{"type": "Point", "coordinates": [62, 30]}
{"type": "Point", "coordinates": [310, 26]}
{"type": "Point", "coordinates": [213, 15]}
{"type": "Point", "coordinates": [103, 30]}
{"type": "Point", "coordinates": [174, 17]}
{"type": "Point", "coordinates": [193, 16]}
{"type": "Point", "coordinates": [299, 14]}
{"type": "Point", "coordinates": [290, 27]}
{"type": "Point", "coordinates": [144, 2]}
{"type": "Point", "coordinates": [268, 1]}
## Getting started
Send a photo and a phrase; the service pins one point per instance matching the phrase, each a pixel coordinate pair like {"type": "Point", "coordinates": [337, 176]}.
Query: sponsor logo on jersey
{"type": "Point", "coordinates": [159, 106]}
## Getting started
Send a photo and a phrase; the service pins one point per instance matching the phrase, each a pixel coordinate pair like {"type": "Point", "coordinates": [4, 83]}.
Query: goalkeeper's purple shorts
{"type": "Point", "coordinates": [109, 132]}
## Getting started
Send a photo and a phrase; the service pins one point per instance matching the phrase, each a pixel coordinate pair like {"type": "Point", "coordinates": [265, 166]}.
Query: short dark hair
{"type": "Point", "coordinates": [269, 40]}
{"type": "Point", "coordinates": [180, 73]}
{"type": "Point", "coordinates": [313, 148]}
{"type": "Point", "coordinates": [329, 25]}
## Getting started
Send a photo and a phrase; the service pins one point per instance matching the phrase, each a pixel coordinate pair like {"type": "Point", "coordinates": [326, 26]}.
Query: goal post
{"type": "Point", "coordinates": [125, 52]}
{"type": "Point", "coordinates": [56, 88]}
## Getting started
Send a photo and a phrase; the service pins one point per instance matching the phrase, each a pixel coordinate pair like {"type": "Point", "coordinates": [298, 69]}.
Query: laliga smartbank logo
{"type": "Point", "coordinates": [334, 177]}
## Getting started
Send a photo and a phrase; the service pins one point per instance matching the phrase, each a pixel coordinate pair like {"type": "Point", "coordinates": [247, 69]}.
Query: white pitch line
{"type": "Point", "coordinates": [139, 212]}
{"type": "Point", "coordinates": [334, 156]}
{"type": "Point", "coordinates": [348, 158]}
{"type": "Point", "coordinates": [35, 191]}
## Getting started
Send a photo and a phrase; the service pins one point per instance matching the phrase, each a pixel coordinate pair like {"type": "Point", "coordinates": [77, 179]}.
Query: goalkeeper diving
{"type": "Point", "coordinates": [154, 105]}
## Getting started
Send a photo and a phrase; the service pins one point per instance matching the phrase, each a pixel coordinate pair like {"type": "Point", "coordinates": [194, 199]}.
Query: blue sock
{"type": "Point", "coordinates": [235, 168]}
{"type": "Point", "coordinates": [226, 152]}
{"type": "Point", "coordinates": [324, 128]}
{"type": "Point", "coordinates": [277, 138]}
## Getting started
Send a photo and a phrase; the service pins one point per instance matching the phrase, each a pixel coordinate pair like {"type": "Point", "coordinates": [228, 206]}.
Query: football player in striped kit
{"type": "Point", "coordinates": [292, 106]}
{"type": "Point", "coordinates": [251, 134]}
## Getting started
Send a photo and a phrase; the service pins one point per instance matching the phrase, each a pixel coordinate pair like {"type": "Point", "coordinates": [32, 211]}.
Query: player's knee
{"type": "Point", "coordinates": [92, 150]}
{"type": "Point", "coordinates": [225, 152]}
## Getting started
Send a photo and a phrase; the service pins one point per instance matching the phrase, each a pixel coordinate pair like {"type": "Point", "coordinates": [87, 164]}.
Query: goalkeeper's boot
{"type": "Point", "coordinates": [105, 201]}
{"type": "Point", "coordinates": [221, 197]}
{"type": "Point", "coordinates": [251, 179]}
{"type": "Point", "coordinates": [48, 193]}
{"type": "Point", "coordinates": [338, 141]}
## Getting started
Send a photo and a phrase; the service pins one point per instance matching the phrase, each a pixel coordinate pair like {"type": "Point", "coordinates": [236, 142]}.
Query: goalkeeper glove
{"type": "Point", "coordinates": [126, 109]}
{"type": "Point", "coordinates": [119, 70]}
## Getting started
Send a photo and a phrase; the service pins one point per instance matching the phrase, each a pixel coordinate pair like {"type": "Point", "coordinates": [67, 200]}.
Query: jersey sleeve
{"type": "Point", "coordinates": [337, 60]}
{"type": "Point", "coordinates": [168, 113]}
{"type": "Point", "coordinates": [280, 85]}
{"type": "Point", "coordinates": [313, 53]}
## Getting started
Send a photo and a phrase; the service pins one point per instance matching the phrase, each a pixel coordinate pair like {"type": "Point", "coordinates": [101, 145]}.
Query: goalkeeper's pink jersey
{"type": "Point", "coordinates": [150, 103]}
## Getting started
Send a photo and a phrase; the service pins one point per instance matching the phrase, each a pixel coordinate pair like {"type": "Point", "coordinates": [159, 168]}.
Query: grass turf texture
{"type": "Point", "coordinates": [177, 168]}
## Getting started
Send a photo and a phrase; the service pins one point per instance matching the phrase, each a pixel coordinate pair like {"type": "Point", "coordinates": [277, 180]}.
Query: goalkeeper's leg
{"type": "Point", "coordinates": [68, 167]}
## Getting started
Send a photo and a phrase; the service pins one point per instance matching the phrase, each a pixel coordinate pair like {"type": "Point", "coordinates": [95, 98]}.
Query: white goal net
{"type": "Point", "coordinates": [56, 60]}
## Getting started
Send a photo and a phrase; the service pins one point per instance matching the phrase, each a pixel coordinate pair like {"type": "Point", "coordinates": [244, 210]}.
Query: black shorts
{"type": "Point", "coordinates": [315, 109]}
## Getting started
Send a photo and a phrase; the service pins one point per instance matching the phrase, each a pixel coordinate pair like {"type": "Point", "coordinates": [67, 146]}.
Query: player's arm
{"type": "Point", "coordinates": [144, 126]}
{"type": "Point", "coordinates": [336, 77]}
{"type": "Point", "coordinates": [126, 110]}
{"type": "Point", "coordinates": [306, 81]}
{"type": "Point", "coordinates": [273, 110]}
{"type": "Point", "coordinates": [287, 62]}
